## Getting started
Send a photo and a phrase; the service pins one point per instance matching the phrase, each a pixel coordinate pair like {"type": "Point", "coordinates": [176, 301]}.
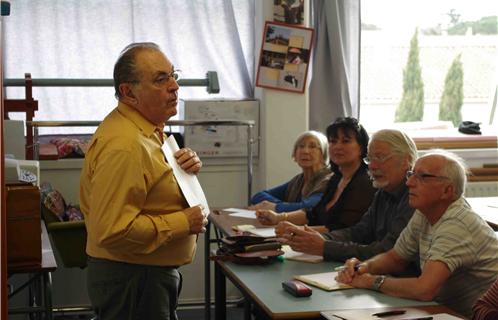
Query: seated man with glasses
{"type": "Point", "coordinates": [391, 153]}
{"type": "Point", "coordinates": [456, 248]}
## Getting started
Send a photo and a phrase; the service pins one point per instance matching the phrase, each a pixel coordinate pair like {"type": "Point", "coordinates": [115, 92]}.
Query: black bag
{"type": "Point", "coordinates": [248, 250]}
{"type": "Point", "coordinates": [469, 127]}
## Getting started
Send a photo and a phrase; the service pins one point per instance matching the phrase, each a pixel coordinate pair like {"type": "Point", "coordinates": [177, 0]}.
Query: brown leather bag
{"type": "Point", "coordinates": [23, 225]}
{"type": "Point", "coordinates": [248, 250]}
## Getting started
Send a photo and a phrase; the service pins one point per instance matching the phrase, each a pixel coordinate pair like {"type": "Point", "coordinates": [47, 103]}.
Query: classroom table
{"type": "Point", "coordinates": [487, 208]}
{"type": "Point", "coordinates": [39, 276]}
{"type": "Point", "coordinates": [261, 286]}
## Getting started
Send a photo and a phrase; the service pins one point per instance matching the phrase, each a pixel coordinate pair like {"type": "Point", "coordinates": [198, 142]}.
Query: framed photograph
{"type": "Point", "coordinates": [284, 58]}
{"type": "Point", "coordinates": [289, 11]}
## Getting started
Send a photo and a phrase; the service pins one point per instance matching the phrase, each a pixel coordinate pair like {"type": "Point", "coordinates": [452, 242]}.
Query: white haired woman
{"type": "Point", "coordinates": [306, 189]}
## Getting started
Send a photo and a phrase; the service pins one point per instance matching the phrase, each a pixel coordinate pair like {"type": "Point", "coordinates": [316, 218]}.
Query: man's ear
{"type": "Point", "coordinates": [127, 95]}
{"type": "Point", "coordinates": [449, 192]}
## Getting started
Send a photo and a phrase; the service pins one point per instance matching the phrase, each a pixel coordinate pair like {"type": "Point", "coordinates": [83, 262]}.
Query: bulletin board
{"type": "Point", "coordinates": [221, 141]}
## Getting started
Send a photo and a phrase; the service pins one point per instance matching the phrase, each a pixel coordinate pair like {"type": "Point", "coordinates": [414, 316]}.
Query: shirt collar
{"type": "Point", "coordinates": [139, 120]}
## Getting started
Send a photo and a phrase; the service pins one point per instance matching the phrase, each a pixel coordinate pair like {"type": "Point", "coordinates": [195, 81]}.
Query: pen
{"type": "Point", "coordinates": [422, 318]}
{"type": "Point", "coordinates": [342, 268]}
{"type": "Point", "coordinates": [389, 313]}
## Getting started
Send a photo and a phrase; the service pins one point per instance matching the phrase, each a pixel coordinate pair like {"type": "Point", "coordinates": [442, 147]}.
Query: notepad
{"type": "Point", "coordinates": [325, 281]}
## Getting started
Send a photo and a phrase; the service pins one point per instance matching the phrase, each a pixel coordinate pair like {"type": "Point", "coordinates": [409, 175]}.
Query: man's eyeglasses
{"type": "Point", "coordinates": [423, 177]}
{"type": "Point", "coordinates": [378, 159]}
{"type": "Point", "coordinates": [165, 77]}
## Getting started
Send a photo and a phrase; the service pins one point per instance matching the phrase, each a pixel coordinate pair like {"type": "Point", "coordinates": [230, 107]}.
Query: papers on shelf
{"type": "Point", "coordinates": [325, 281]}
{"type": "Point", "coordinates": [241, 213]}
{"type": "Point", "coordinates": [188, 183]}
{"type": "Point", "coordinates": [290, 254]}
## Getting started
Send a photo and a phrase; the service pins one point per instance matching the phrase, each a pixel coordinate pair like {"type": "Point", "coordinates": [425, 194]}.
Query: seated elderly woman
{"type": "Point", "coordinates": [306, 188]}
{"type": "Point", "coordinates": [349, 191]}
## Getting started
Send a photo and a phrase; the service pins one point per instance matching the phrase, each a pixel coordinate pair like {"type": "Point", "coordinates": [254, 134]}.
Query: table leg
{"type": "Point", "coordinates": [207, 273]}
{"type": "Point", "coordinates": [47, 285]}
{"type": "Point", "coordinates": [220, 307]}
{"type": "Point", "coordinates": [247, 309]}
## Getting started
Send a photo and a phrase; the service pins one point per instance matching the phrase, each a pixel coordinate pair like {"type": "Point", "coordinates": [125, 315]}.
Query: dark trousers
{"type": "Point", "coordinates": [128, 291]}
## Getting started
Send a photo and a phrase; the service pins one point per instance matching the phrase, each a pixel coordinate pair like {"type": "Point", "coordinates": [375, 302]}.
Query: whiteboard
{"type": "Point", "coordinates": [221, 141]}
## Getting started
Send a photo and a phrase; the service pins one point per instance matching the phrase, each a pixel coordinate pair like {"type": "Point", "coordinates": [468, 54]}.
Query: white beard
{"type": "Point", "coordinates": [379, 184]}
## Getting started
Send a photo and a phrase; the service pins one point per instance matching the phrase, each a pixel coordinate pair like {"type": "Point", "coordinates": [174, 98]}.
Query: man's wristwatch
{"type": "Point", "coordinates": [378, 282]}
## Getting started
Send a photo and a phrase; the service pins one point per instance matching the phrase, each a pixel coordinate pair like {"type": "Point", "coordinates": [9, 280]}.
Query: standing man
{"type": "Point", "coordinates": [140, 227]}
{"type": "Point", "coordinates": [391, 153]}
{"type": "Point", "coordinates": [457, 250]}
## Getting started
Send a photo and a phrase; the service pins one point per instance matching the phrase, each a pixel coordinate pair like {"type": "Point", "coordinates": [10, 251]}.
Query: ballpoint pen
{"type": "Point", "coordinates": [389, 313]}
{"type": "Point", "coordinates": [342, 268]}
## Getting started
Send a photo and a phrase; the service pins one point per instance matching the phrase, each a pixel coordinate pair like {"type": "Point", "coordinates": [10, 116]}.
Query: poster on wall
{"type": "Point", "coordinates": [284, 58]}
{"type": "Point", "coordinates": [289, 11]}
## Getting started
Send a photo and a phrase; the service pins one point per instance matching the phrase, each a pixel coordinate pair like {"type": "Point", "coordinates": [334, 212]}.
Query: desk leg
{"type": "Point", "coordinates": [207, 273]}
{"type": "Point", "coordinates": [47, 284]}
{"type": "Point", "coordinates": [220, 307]}
{"type": "Point", "coordinates": [247, 309]}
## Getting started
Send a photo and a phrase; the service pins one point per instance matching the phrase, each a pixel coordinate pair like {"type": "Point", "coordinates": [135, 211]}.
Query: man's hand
{"type": "Point", "coordinates": [263, 205]}
{"type": "Point", "coordinates": [365, 280]}
{"type": "Point", "coordinates": [352, 268]}
{"type": "Point", "coordinates": [285, 228]}
{"type": "Point", "coordinates": [196, 219]}
{"type": "Point", "coordinates": [267, 217]}
{"type": "Point", "coordinates": [356, 274]}
{"type": "Point", "coordinates": [188, 160]}
{"type": "Point", "coordinates": [305, 240]}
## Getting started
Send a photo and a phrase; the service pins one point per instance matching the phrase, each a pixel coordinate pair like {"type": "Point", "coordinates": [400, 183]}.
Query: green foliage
{"type": "Point", "coordinates": [450, 107]}
{"type": "Point", "coordinates": [411, 107]}
{"type": "Point", "coordinates": [485, 25]}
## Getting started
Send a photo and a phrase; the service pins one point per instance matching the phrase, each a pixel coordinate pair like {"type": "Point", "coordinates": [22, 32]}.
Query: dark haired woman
{"type": "Point", "coordinates": [349, 191]}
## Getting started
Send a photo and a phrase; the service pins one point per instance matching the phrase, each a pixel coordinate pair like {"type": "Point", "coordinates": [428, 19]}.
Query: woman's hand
{"type": "Point", "coordinates": [267, 217]}
{"type": "Point", "coordinates": [263, 205]}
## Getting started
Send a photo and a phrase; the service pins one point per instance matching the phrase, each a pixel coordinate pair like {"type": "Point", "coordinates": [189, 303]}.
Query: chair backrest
{"type": "Point", "coordinates": [68, 238]}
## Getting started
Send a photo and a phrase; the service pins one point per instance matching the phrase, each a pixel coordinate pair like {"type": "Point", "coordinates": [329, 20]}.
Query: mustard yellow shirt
{"type": "Point", "coordinates": [132, 204]}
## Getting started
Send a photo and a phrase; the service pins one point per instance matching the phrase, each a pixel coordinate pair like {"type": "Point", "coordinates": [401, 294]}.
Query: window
{"type": "Point", "coordinates": [82, 39]}
{"type": "Point", "coordinates": [454, 38]}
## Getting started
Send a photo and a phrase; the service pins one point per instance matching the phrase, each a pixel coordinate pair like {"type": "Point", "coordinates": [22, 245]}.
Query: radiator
{"type": "Point", "coordinates": [482, 189]}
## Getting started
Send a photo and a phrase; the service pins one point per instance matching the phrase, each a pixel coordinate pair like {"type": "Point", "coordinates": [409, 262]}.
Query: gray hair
{"type": "Point", "coordinates": [401, 144]}
{"type": "Point", "coordinates": [320, 137]}
{"type": "Point", "coordinates": [455, 169]}
{"type": "Point", "coordinates": [125, 69]}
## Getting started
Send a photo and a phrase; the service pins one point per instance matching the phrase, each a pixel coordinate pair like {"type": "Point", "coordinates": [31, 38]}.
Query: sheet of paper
{"type": "Point", "coordinates": [411, 313]}
{"type": "Point", "coordinates": [325, 281]}
{"type": "Point", "coordinates": [290, 254]}
{"type": "Point", "coordinates": [188, 183]}
{"type": "Point", "coordinates": [243, 227]}
{"type": "Point", "coordinates": [242, 213]}
{"type": "Point", "coordinates": [264, 232]}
